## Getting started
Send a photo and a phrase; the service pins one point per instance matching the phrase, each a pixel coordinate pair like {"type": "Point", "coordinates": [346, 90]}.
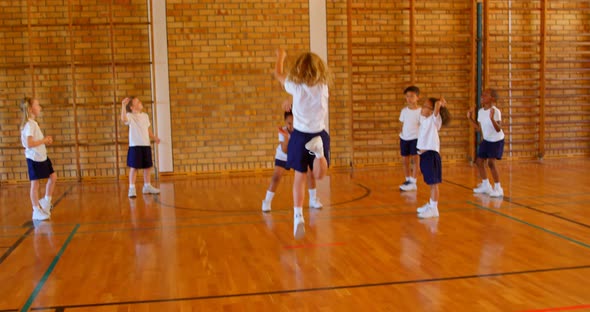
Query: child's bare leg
{"type": "Point", "coordinates": [480, 162]}
{"type": "Point", "coordinates": [34, 193]}
{"type": "Point", "coordinates": [493, 170]}
{"type": "Point", "coordinates": [299, 188]}
{"type": "Point", "coordinates": [276, 178]}
{"type": "Point", "coordinates": [50, 185]}
{"type": "Point", "coordinates": [132, 176]}
{"type": "Point", "coordinates": [434, 194]}
{"type": "Point", "coordinates": [406, 165]}
{"type": "Point", "coordinates": [320, 167]}
{"type": "Point", "coordinates": [311, 181]}
{"type": "Point", "coordinates": [414, 171]}
{"type": "Point", "coordinates": [146, 176]}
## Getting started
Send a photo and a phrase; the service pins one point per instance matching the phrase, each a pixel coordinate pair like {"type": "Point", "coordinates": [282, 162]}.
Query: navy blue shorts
{"type": "Point", "coordinates": [298, 157]}
{"type": "Point", "coordinates": [139, 157]}
{"type": "Point", "coordinates": [431, 167]}
{"type": "Point", "coordinates": [39, 169]}
{"type": "Point", "coordinates": [408, 148]}
{"type": "Point", "coordinates": [491, 149]}
{"type": "Point", "coordinates": [282, 164]}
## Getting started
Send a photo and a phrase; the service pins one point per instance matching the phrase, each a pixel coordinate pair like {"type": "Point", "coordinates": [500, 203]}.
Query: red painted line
{"type": "Point", "coordinates": [579, 307]}
{"type": "Point", "coordinates": [313, 245]}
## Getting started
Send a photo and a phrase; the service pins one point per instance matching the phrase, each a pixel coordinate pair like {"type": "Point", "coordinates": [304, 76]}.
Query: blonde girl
{"type": "Point", "coordinates": [309, 145]}
{"type": "Point", "coordinates": [39, 165]}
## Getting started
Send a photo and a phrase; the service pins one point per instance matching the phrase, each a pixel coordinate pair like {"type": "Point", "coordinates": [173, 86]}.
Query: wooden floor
{"type": "Point", "coordinates": [204, 245]}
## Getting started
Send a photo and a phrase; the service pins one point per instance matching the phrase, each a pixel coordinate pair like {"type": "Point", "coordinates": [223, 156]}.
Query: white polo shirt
{"type": "Point", "coordinates": [280, 155]}
{"type": "Point", "coordinates": [39, 152]}
{"type": "Point", "coordinates": [488, 131]}
{"type": "Point", "coordinates": [138, 129]}
{"type": "Point", "coordinates": [410, 119]}
{"type": "Point", "coordinates": [310, 106]}
{"type": "Point", "coordinates": [428, 139]}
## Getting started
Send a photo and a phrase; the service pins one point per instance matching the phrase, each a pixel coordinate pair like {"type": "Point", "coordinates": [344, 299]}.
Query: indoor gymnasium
{"type": "Point", "coordinates": [302, 155]}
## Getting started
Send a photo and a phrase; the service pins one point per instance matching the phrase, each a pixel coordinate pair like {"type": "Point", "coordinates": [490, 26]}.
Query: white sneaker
{"type": "Point", "coordinates": [497, 192]}
{"type": "Point", "coordinates": [315, 146]}
{"type": "Point", "coordinates": [149, 189]}
{"type": "Point", "coordinates": [46, 206]}
{"type": "Point", "coordinates": [408, 187]}
{"type": "Point", "coordinates": [39, 215]}
{"type": "Point", "coordinates": [423, 208]}
{"type": "Point", "coordinates": [431, 212]}
{"type": "Point", "coordinates": [265, 206]}
{"type": "Point", "coordinates": [316, 204]}
{"type": "Point", "coordinates": [131, 193]}
{"type": "Point", "coordinates": [298, 226]}
{"type": "Point", "coordinates": [483, 189]}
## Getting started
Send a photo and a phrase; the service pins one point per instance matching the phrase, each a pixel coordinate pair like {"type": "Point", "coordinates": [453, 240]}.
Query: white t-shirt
{"type": "Point", "coordinates": [488, 131]}
{"type": "Point", "coordinates": [310, 106]}
{"type": "Point", "coordinates": [138, 129]}
{"type": "Point", "coordinates": [39, 152]}
{"type": "Point", "coordinates": [410, 119]}
{"type": "Point", "coordinates": [280, 155]}
{"type": "Point", "coordinates": [428, 139]}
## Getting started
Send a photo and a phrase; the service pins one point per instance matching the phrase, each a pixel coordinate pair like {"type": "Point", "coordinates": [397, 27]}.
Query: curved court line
{"type": "Point", "coordinates": [314, 289]}
{"type": "Point", "coordinates": [509, 200]}
{"type": "Point", "coordinates": [364, 195]}
{"type": "Point", "coordinates": [285, 219]}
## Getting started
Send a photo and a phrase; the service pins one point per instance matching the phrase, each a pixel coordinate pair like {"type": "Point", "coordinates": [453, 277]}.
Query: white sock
{"type": "Point", "coordinates": [485, 182]}
{"type": "Point", "coordinates": [131, 186]}
{"type": "Point", "coordinates": [497, 185]}
{"type": "Point", "coordinates": [36, 208]}
{"type": "Point", "coordinates": [147, 184]}
{"type": "Point", "coordinates": [433, 204]}
{"type": "Point", "coordinates": [312, 194]}
{"type": "Point", "coordinates": [298, 211]}
{"type": "Point", "coordinates": [413, 180]}
{"type": "Point", "coordinates": [408, 179]}
{"type": "Point", "coordinates": [48, 198]}
{"type": "Point", "coordinates": [269, 196]}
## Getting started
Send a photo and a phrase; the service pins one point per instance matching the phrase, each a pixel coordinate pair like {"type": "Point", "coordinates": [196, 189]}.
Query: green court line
{"type": "Point", "coordinates": [43, 279]}
{"type": "Point", "coordinates": [531, 225]}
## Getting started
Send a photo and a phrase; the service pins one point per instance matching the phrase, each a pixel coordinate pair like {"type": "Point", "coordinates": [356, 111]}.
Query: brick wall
{"type": "Point", "coordinates": [518, 75]}
{"type": "Point", "coordinates": [225, 105]}
{"type": "Point", "coordinates": [381, 55]}
{"type": "Point", "coordinates": [80, 59]}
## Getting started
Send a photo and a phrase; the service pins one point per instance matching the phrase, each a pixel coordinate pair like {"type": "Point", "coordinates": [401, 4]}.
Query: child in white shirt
{"type": "Point", "coordinates": [39, 165]}
{"type": "Point", "coordinates": [408, 137]}
{"type": "Point", "coordinates": [309, 147]}
{"type": "Point", "coordinates": [431, 120]}
{"type": "Point", "coordinates": [489, 122]}
{"type": "Point", "coordinates": [281, 167]}
{"type": "Point", "coordinates": [139, 155]}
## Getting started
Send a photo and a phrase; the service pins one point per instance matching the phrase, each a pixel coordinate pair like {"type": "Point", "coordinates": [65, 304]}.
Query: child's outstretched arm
{"type": "Point", "coordinates": [124, 109]}
{"type": "Point", "coordinates": [279, 66]}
